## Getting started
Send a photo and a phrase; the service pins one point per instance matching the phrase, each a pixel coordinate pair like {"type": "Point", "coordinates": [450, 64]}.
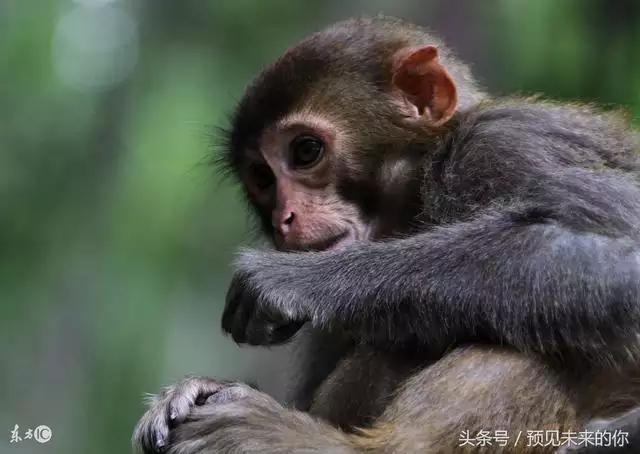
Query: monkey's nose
{"type": "Point", "coordinates": [284, 223]}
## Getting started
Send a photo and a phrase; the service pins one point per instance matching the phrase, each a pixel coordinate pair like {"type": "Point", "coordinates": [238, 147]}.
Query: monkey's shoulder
{"type": "Point", "coordinates": [543, 133]}
{"type": "Point", "coordinates": [536, 108]}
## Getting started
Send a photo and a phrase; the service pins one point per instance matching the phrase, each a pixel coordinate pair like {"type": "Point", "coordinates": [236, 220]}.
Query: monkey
{"type": "Point", "coordinates": [452, 263]}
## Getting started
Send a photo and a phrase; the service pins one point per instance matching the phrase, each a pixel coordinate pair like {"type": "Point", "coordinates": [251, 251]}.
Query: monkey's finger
{"type": "Point", "coordinates": [236, 312]}
{"type": "Point", "coordinates": [285, 332]}
{"type": "Point", "coordinates": [270, 333]}
{"type": "Point", "coordinates": [237, 316]}
{"type": "Point", "coordinates": [228, 317]}
{"type": "Point", "coordinates": [231, 393]}
{"type": "Point", "coordinates": [152, 431]}
{"type": "Point", "coordinates": [260, 332]}
{"type": "Point", "coordinates": [240, 322]}
{"type": "Point", "coordinates": [187, 394]}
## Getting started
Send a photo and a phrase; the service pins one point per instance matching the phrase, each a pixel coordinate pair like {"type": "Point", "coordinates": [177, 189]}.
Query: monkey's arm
{"type": "Point", "coordinates": [524, 276]}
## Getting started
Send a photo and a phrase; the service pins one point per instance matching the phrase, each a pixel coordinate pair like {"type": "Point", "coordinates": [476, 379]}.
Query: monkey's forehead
{"type": "Point", "coordinates": [331, 69]}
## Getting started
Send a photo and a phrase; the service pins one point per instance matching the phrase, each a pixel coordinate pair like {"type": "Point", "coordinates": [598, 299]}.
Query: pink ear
{"type": "Point", "coordinates": [427, 84]}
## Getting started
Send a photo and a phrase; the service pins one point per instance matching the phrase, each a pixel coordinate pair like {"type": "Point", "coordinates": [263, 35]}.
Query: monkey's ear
{"type": "Point", "coordinates": [426, 84]}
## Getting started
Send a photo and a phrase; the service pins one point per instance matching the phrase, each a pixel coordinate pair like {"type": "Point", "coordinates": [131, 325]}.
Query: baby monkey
{"type": "Point", "coordinates": [463, 267]}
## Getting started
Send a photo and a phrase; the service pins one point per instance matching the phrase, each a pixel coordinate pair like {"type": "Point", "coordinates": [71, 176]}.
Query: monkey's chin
{"type": "Point", "coordinates": [341, 242]}
{"type": "Point", "coordinates": [333, 243]}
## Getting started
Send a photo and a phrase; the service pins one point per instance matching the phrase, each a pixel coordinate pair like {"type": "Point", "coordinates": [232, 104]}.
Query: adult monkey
{"type": "Point", "coordinates": [468, 264]}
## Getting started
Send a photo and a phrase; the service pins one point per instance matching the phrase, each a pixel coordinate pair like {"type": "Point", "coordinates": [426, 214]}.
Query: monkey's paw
{"type": "Point", "coordinates": [170, 408]}
{"type": "Point", "coordinates": [176, 417]}
{"type": "Point", "coordinates": [266, 302]}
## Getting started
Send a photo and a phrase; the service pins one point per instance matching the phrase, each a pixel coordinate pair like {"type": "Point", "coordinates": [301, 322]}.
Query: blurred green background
{"type": "Point", "coordinates": [115, 234]}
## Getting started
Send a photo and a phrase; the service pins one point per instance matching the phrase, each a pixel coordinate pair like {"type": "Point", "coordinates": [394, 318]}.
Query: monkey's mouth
{"type": "Point", "coordinates": [331, 243]}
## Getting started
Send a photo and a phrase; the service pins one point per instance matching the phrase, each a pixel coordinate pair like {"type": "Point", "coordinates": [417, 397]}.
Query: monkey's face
{"type": "Point", "coordinates": [291, 179]}
{"type": "Point", "coordinates": [324, 139]}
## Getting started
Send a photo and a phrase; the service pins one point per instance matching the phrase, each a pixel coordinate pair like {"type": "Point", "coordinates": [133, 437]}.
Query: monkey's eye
{"type": "Point", "coordinates": [262, 176]}
{"type": "Point", "coordinates": [306, 151]}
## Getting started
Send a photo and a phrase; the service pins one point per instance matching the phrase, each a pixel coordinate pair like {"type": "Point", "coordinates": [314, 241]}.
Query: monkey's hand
{"type": "Point", "coordinates": [264, 306]}
{"type": "Point", "coordinates": [183, 416]}
{"type": "Point", "coordinates": [203, 416]}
